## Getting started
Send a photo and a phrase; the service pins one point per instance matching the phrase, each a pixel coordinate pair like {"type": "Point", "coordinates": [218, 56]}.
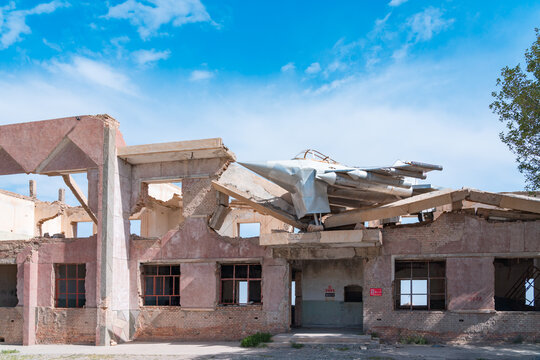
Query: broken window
{"type": "Point", "coordinates": [83, 229]}
{"type": "Point", "coordinates": [70, 290]}
{"type": "Point", "coordinates": [516, 285]}
{"type": "Point", "coordinates": [247, 230]}
{"type": "Point", "coordinates": [420, 285]}
{"type": "Point", "coordinates": [353, 293]}
{"type": "Point", "coordinates": [241, 284]}
{"type": "Point", "coordinates": [8, 286]}
{"type": "Point", "coordinates": [135, 227]}
{"type": "Point", "coordinates": [161, 285]}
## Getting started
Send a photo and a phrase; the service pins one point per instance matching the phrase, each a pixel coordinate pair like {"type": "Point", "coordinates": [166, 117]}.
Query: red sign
{"type": "Point", "coordinates": [329, 289]}
{"type": "Point", "coordinates": [375, 292]}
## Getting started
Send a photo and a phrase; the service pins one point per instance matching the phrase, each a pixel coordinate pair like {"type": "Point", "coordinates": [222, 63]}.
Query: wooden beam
{"type": "Point", "coordinates": [79, 195]}
{"type": "Point", "coordinates": [505, 214]}
{"type": "Point", "coordinates": [505, 201]}
{"type": "Point", "coordinates": [260, 207]}
{"type": "Point", "coordinates": [402, 207]}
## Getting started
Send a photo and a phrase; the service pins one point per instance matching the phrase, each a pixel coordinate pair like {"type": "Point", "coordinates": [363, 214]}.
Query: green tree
{"type": "Point", "coordinates": [518, 106]}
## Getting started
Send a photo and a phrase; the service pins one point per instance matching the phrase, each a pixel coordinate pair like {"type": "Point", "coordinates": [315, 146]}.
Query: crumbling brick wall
{"type": "Point", "coordinates": [66, 326]}
{"type": "Point", "coordinates": [469, 244]}
{"type": "Point", "coordinates": [11, 325]}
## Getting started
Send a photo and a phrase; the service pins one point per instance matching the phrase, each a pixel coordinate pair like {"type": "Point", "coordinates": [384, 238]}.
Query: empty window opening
{"type": "Point", "coordinates": [83, 229]}
{"type": "Point", "coordinates": [420, 285]}
{"type": "Point", "coordinates": [293, 293]}
{"type": "Point", "coordinates": [516, 285]}
{"type": "Point", "coordinates": [8, 286]}
{"type": "Point", "coordinates": [241, 284]}
{"type": "Point", "coordinates": [247, 230]}
{"type": "Point", "coordinates": [70, 285]}
{"type": "Point", "coordinates": [353, 293]}
{"type": "Point", "coordinates": [161, 285]}
{"type": "Point", "coordinates": [529, 292]}
{"type": "Point", "coordinates": [135, 227]}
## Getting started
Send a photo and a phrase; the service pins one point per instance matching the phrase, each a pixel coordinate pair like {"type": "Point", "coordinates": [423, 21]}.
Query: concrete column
{"type": "Point", "coordinates": [62, 195]}
{"type": "Point", "coordinates": [32, 188]}
{"type": "Point", "coordinates": [30, 298]}
{"type": "Point", "coordinates": [105, 240]}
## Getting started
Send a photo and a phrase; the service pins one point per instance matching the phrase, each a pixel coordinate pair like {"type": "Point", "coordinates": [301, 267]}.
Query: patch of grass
{"type": "Point", "coordinates": [296, 345]}
{"type": "Point", "coordinates": [517, 340]}
{"type": "Point", "coordinates": [417, 339]}
{"type": "Point", "coordinates": [380, 358]}
{"type": "Point", "coordinates": [374, 334]}
{"type": "Point", "coordinates": [344, 348]}
{"type": "Point", "coordinates": [11, 351]}
{"type": "Point", "coordinates": [256, 339]}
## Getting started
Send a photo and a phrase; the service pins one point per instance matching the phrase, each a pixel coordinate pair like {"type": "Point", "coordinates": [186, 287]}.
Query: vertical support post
{"type": "Point", "coordinates": [30, 298]}
{"type": "Point", "coordinates": [105, 246]}
{"type": "Point", "coordinates": [62, 195]}
{"type": "Point", "coordinates": [32, 188]}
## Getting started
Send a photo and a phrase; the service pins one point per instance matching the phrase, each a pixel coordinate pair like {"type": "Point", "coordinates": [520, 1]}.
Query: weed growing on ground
{"type": "Point", "coordinates": [374, 334]}
{"type": "Point", "coordinates": [256, 339]}
{"type": "Point", "coordinates": [419, 340]}
{"type": "Point", "coordinates": [11, 351]}
{"type": "Point", "coordinates": [296, 345]}
{"type": "Point", "coordinates": [344, 348]}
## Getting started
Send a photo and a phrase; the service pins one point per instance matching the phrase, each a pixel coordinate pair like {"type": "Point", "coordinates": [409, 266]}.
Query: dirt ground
{"type": "Point", "coordinates": [204, 351]}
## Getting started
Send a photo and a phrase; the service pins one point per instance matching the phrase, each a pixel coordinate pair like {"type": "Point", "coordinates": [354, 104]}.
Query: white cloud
{"type": "Point", "coordinates": [396, 2]}
{"type": "Point", "coordinates": [150, 15]}
{"type": "Point", "coordinates": [13, 22]}
{"type": "Point", "coordinates": [198, 75]}
{"type": "Point", "coordinates": [313, 68]}
{"type": "Point", "coordinates": [52, 45]}
{"type": "Point", "coordinates": [145, 57]}
{"type": "Point", "coordinates": [427, 23]}
{"type": "Point", "coordinates": [288, 67]}
{"type": "Point", "coordinates": [98, 73]}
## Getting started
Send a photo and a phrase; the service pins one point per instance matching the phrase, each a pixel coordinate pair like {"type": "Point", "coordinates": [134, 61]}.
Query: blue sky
{"type": "Point", "coordinates": [366, 82]}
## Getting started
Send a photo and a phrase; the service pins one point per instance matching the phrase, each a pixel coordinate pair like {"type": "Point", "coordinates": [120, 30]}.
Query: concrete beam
{"type": "Point", "coordinates": [402, 207]}
{"type": "Point", "coordinates": [338, 238]}
{"type": "Point", "coordinates": [79, 195]}
{"type": "Point", "coordinates": [505, 201]}
{"type": "Point", "coordinates": [175, 151]}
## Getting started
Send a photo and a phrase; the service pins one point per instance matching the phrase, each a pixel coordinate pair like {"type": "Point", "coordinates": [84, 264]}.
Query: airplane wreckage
{"type": "Point", "coordinates": [306, 190]}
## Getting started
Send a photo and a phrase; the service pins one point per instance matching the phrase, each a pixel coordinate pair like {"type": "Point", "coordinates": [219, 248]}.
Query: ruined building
{"type": "Point", "coordinates": [467, 269]}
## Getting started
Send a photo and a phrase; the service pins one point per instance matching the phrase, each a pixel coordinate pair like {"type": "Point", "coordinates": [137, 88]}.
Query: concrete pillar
{"type": "Point", "coordinates": [105, 240]}
{"type": "Point", "coordinates": [32, 188]}
{"type": "Point", "coordinates": [30, 298]}
{"type": "Point", "coordinates": [62, 195]}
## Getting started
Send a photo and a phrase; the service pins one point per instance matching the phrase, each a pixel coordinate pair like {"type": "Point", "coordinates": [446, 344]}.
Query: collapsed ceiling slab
{"type": "Point", "coordinates": [175, 151]}
{"type": "Point", "coordinates": [261, 194]}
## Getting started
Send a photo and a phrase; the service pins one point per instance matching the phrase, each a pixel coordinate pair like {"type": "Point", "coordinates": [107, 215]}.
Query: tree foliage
{"type": "Point", "coordinates": [518, 106]}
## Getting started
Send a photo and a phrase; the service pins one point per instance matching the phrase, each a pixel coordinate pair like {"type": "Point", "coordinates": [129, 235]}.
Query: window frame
{"type": "Point", "coordinates": [66, 279]}
{"type": "Point", "coordinates": [428, 278]}
{"type": "Point", "coordinates": [145, 275]}
{"type": "Point", "coordinates": [235, 279]}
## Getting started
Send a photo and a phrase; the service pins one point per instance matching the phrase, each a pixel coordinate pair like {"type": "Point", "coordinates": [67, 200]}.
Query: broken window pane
{"type": "Point", "coordinates": [419, 286]}
{"type": "Point", "coordinates": [255, 292]}
{"type": "Point", "coordinates": [419, 269]}
{"type": "Point", "coordinates": [242, 291]}
{"type": "Point", "coordinates": [405, 286]}
{"type": "Point", "coordinates": [255, 271]}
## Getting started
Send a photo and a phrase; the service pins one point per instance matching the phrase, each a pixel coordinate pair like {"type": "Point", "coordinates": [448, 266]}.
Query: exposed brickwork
{"type": "Point", "coordinates": [225, 323]}
{"type": "Point", "coordinates": [468, 241]}
{"type": "Point", "coordinates": [66, 326]}
{"type": "Point", "coordinates": [11, 325]}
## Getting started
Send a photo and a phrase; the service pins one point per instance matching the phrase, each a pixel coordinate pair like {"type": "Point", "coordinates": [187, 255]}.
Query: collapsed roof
{"type": "Point", "coordinates": [314, 192]}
